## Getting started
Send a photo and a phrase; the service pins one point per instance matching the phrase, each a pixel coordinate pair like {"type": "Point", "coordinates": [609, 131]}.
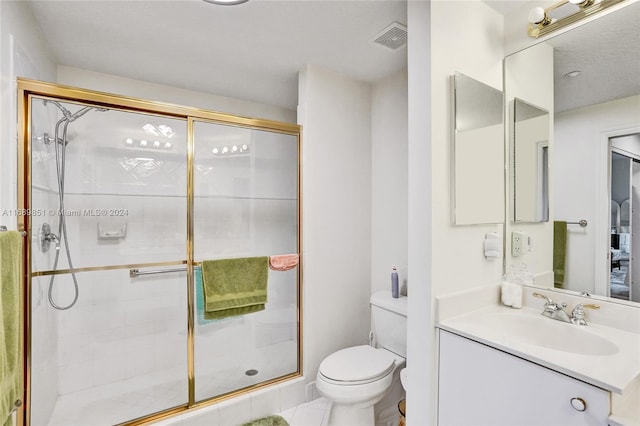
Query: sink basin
{"type": "Point", "coordinates": [547, 333]}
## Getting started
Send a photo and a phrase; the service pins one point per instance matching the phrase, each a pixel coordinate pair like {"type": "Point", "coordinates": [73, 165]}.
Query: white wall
{"type": "Point", "coordinates": [24, 53]}
{"type": "Point", "coordinates": [335, 112]}
{"type": "Point", "coordinates": [389, 181]}
{"type": "Point", "coordinates": [110, 83]}
{"type": "Point", "coordinates": [421, 392]}
{"type": "Point", "coordinates": [465, 37]}
{"type": "Point", "coordinates": [578, 136]}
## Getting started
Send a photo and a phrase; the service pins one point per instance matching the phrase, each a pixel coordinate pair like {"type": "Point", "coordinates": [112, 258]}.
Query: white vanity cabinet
{"type": "Point", "coordinates": [480, 385]}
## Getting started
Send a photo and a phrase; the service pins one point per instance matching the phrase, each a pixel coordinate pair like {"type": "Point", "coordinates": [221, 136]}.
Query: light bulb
{"type": "Point", "coordinates": [234, 148]}
{"type": "Point", "coordinates": [143, 143]}
{"type": "Point", "coordinates": [167, 145]}
{"type": "Point", "coordinates": [225, 150]}
{"type": "Point", "coordinates": [536, 15]}
{"type": "Point", "coordinates": [129, 141]}
{"type": "Point", "coordinates": [245, 147]}
{"type": "Point", "coordinates": [215, 150]}
{"type": "Point", "coordinates": [156, 144]}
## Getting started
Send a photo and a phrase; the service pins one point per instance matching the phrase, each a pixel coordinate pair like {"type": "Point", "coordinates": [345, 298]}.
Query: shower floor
{"type": "Point", "coordinates": [121, 401]}
{"type": "Point", "coordinates": [129, 399]}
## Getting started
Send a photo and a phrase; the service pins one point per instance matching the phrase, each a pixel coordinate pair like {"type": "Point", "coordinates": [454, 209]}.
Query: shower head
{"type": "Point", "coordinates": [65, 112]}
{"type": "Point", "coordinates": [73, 117]}
{"type": "Point", "coordinates": [68, 116]}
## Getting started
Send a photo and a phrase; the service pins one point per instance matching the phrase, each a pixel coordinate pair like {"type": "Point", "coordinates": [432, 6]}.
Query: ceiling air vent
{"type": "Point", "coordinates": [393, 37]}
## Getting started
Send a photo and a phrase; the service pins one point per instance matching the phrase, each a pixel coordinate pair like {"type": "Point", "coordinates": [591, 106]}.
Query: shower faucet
{"type": "Point", "coordinates": [47, 237]}
{"type": "Point", "coordinates": [47, 139]}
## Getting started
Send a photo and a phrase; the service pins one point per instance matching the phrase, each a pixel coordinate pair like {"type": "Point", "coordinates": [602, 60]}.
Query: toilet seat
{"type": "Point", "coordinates": [357, 365]}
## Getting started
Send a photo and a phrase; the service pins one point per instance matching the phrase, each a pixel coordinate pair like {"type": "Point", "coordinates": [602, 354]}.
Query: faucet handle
{"type": "Point", "coordinates": [577, 315]}
{"type": "Point", "coordinates": [550, 307]}
{"type": "Point", "coordinates": [590, 306]}
{"type": "Point", "coordinates": [542, 296]}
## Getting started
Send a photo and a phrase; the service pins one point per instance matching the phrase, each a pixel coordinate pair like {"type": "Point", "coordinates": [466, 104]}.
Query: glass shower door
{"type": "Point", "coordinates": [108, 194]}
{"type": "Point", "coordinates": [245, 205]}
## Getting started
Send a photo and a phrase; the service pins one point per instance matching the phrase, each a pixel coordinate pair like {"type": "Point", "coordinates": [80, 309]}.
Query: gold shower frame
{"type": "Point", "coordinates": [30, 88]}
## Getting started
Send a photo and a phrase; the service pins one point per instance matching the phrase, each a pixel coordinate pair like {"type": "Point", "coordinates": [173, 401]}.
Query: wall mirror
{"type": "Point", "coordinates": [588, 79]}
{"type": "Point", "coordinates": [529, 152]}
{"type": "Point", "coordinates": [478, 152]}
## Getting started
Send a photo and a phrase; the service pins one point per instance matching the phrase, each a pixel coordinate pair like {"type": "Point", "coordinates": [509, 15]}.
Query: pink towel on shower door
{"type": "Point", "coordinates": [283, 262]}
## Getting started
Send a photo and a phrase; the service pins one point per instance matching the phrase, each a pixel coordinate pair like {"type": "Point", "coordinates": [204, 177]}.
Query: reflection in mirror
{"type": "Point", "coordinates": [478, 154]}
{"type": "Point", "coordinates": [530, 162]}
{"type": "Point", "coordinates": [588, 80]}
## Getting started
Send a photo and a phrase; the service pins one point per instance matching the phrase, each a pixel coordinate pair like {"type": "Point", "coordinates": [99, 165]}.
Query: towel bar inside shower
{"type": "Point", "coordinates": [135, 273]}
{"type": "Point", "coordinates": [4, 228]}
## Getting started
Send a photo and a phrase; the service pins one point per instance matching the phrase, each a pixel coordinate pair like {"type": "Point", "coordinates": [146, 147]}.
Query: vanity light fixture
{"type": "Point", "coordinates": [542, 21]}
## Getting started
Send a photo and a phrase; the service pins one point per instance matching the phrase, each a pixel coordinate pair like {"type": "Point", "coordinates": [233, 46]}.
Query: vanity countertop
{"type": "Point", "coordinates": [613, 365]}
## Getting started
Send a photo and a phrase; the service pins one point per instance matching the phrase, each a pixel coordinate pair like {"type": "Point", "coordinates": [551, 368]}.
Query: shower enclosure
{"type": "Point", "coordinates": [123, 200]}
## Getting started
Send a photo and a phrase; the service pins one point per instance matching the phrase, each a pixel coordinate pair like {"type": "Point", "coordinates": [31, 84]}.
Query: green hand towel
{"type": "Point", "coordinates": [200, 314]}
{"type": "Point", "coordinates": [559, 252]}
{"type": "Point", "coordinates": [268, 421]}
{"type": "Point", "coordinates": [234, 286]}
{"type": "Point", "coordinates": [10, 323]}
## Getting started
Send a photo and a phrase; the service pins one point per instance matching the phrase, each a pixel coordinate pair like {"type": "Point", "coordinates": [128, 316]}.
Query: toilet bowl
{"type": "Point", "coordinates": [354, 380]}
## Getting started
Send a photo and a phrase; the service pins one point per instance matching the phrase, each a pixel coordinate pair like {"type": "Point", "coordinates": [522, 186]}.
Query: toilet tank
{"type": "Point", "coordinates": [389, 321]}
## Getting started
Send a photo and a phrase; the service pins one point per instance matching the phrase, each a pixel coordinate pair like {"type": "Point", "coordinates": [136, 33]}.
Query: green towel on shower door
{"type": "Point", "coordinates": [559, 252]}
{"type": "Point", "coordinates": [10, 323]}
{"type": "Point", "coordinates": [234, 286]}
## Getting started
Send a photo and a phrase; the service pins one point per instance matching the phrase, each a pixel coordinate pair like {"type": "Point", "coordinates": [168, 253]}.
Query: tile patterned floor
{"type": "Point", "coordinates": [314, 413]}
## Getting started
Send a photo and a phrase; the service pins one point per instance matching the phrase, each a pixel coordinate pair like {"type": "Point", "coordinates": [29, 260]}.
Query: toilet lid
{"type": "Point", "coordinates": [356, 364]}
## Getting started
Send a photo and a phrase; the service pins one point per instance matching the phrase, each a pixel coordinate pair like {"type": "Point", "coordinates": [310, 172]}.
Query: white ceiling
{"type": "Point", "coordinates": [504, 6]}
{"type": "Point", "coordinates": [251, 51]}
{"type": "Point", "coordinates": [607, 53]}
{"type": "Point", "coordinates": [254, 51]}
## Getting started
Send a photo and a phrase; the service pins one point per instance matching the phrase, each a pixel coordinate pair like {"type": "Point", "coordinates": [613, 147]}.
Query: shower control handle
{"type": "Point", "coordinates": [47, 237]}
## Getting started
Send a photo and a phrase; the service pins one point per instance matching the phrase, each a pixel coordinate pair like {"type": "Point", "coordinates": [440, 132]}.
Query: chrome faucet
{"type": "Point", "coordinates": [553, 310]}
{"type": "Point", "coordinates": [557, 312]}
{"type": "Point", "coordinates": [577, 316]}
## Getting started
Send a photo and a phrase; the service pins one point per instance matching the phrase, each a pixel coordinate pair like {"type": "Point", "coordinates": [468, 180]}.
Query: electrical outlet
{"type": "Point", "coordinates": [517, 243]}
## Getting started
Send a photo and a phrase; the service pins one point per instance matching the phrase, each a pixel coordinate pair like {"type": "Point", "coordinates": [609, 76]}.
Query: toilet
{"type": "Point", "coordinates": [356, 378]}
